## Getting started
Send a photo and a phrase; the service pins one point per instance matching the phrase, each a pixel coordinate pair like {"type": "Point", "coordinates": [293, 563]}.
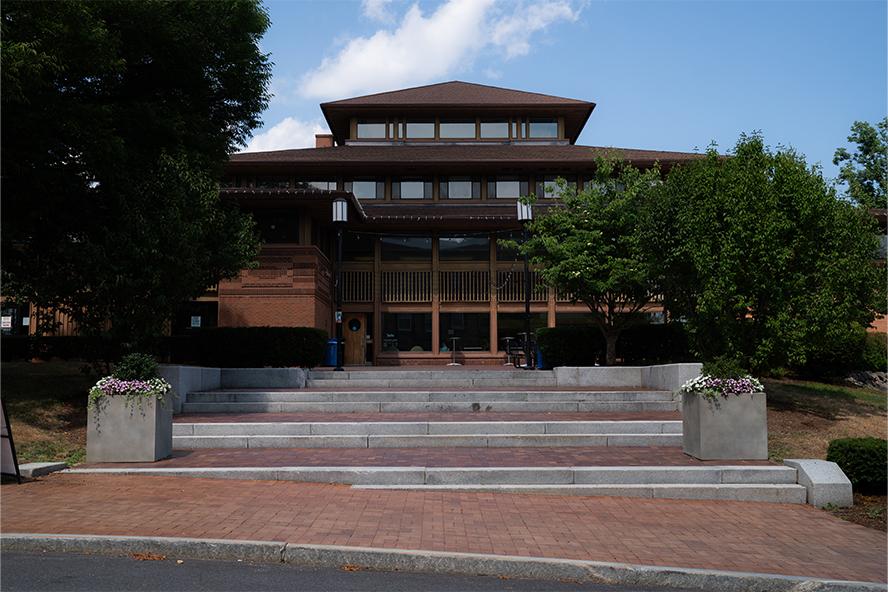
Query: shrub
{"type": "Point", "coordinates": [135, 366]}
{"type": "Point", "coordinates": [864, 461]}
{"type": "Point", "coordinates": [570, 346]}
{"type": "Point", "coordinates": [642, 345]}
{"type": "Point", "coordinates": [875, 352]}
{"type": "Point", "coordinates": [724, 367]}
{"type": "Point", "coordinates": [251, 347]}
{"type": "Point", "coordinates": [63, 347]}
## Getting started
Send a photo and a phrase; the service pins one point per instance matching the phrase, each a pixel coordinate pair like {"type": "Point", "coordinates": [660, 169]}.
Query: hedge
{"type": "Point", "coordinates": [67, 347]}
{"type": "Point", "coordinates": [250, 347]}
{"type": "Point", "coordinates": [638, 345]}
{"type": "Point", "coordinates": [864, 461]}
{"type": "Point", "coordinates": [875, 352]}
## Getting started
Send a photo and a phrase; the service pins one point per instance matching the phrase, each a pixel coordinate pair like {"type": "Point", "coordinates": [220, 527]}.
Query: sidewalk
{"type": "Point", "coordinates": [737, 536]}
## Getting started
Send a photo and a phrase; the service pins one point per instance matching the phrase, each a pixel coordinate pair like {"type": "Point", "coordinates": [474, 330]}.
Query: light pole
{"type": "Point", "coordinates": [340, 217]}
{"type": "Point", "coordinates": [525, 215]}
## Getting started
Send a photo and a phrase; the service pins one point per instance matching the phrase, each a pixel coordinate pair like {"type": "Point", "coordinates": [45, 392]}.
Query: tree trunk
{"type": "Point", "coordinates": [610, 337]}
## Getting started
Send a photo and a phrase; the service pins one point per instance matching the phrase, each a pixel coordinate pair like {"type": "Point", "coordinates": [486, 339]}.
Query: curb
{"type": "Point", "coordinates": [432, 562]}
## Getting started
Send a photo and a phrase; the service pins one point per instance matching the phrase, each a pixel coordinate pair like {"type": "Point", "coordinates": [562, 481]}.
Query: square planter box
{"type": "Point", "coordinates": [725, 428]}
{"type": "Point", "coordinates": [138, 432]}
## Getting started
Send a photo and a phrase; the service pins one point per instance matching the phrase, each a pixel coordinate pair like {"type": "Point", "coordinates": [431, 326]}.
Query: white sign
{"type": "Point", "coordinates": [7, 459]}
{"type": "Point", "coordinates": [5, 322]}
{"type": "Point", "coordinates": [338, 316]}
{"type": "Point", "coordinates": [195, 322]}
{"type": "Point", "coordinates": [26, 321]}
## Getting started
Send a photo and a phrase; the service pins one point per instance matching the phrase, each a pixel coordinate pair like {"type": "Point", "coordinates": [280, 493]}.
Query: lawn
{"type": "Point", "coordinates": [804, 416]}
{"type": "Point", "coordinates": [46, 403]}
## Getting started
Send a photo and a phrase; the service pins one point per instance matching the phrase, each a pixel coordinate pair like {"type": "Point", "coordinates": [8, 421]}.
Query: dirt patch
{"type": "Point", "coordinates": [868, 510]}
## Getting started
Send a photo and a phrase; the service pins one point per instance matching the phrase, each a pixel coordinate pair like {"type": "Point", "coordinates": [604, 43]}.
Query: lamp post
{"type": "Point", "coordinates": [525, 215]}
{"type": "Point", "coordinates": [340, 217]}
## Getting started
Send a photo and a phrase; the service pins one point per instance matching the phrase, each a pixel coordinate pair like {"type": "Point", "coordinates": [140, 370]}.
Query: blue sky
{"type": "Point", "coordinates": [668, 75]}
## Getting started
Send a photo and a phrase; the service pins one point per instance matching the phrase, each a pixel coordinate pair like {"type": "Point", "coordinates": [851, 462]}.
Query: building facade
{"type": "Point", "coordinates": [432, 175]}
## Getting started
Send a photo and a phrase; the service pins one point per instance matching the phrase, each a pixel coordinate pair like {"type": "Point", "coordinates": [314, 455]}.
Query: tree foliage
{"type": "Point", "coordinates": [865, 172]}
{"type": "Point", "coordinates": [588, 246]}
{"type": "Point", "coordinates": [117, 119]}
{"type": "Point", "coordinates": [759, 256]}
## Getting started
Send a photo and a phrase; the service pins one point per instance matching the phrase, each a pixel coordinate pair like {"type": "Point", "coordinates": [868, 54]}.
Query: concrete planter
{"type": "Point", "coordinates": [725, 428]}
{"type": "Point", "coordinates": [141, 431]}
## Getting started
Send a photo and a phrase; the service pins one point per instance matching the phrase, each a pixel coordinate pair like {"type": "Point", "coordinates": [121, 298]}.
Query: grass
{"type": "Point", "coordinates": [803, 417]}
{"type": "Point", "coordinates": [46, 403]}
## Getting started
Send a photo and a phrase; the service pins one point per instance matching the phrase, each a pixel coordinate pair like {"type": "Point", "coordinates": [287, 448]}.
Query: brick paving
{"type": "Point", "coordinates": [607, 456]}
{"type": "Point", "coordinates": [725, 535]}
{"type": "Point", "coordinates": [425, 416]}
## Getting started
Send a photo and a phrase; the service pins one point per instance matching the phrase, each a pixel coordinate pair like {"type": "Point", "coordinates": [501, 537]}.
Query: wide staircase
{"type": "Point", "coordinates": [463, 430]}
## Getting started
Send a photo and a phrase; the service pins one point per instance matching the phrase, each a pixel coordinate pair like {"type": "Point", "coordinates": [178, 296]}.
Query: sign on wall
{"type": "Point", "coordinates": [195, 322]}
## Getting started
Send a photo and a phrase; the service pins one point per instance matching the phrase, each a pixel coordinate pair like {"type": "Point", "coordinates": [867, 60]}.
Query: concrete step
{"type": "Point", "coordinates": [532, 380]}
{"type": "Point", "coordinates": [445, 396]}
{"type": "Point", "coordinates": [766, 483]}
{"type": "Point", "coordinates": [425, 441]}
{"type": "Point", "coordinates": [595, 406]}
{"type": "Point", "coordinates": [418, 428]}
{"type": "Point", "coordinates": [430, 374]}
{"type": "Point", "coordinates": [781, 494]}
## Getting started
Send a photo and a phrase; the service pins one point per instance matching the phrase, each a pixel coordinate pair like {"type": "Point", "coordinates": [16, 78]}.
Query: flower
{"type": "Point", "coordinates": [712, 386]}
{"type": "Point", "coordinates": [133, 390]}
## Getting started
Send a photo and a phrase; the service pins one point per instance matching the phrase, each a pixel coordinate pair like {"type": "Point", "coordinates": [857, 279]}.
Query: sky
{"type": "Point", "coordinates": [665, 74]}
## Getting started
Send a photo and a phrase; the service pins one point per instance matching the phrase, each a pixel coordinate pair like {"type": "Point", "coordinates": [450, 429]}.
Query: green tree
{"type": "Point", "coordinates": [865, 172]}
{"type": "Point", "coordinates": [588, 246]}
{"type": "Point", "coordinates": [118, 117]}
{"type": "Point", "coordinates": [757, 253]}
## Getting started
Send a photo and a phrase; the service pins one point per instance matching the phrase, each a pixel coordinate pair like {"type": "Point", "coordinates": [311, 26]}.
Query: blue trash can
{"type": "Point", "coordinates": [541, 363]}
{"type": "Point", "coordinates": [330, 358]}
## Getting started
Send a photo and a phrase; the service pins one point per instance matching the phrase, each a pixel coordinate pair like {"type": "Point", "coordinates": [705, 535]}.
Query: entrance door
{"type": "Point", "coordinates": [355, 338]}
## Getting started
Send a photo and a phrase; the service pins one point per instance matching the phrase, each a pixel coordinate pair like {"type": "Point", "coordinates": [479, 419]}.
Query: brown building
{"type": "Point", "coordinates": [432, 175]}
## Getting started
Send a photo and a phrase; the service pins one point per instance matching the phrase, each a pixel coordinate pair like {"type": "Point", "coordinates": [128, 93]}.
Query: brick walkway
{"type": "Point", "coordinates": [425, 416]}
{"type": "Point", "coordinates": [773, 538]}
{"type": "Point", "coordinates": [605, 456]}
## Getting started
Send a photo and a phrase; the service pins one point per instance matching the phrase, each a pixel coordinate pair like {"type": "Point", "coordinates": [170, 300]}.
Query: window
{"type": "Point", "coordinates": [542, 128]}
{"type": "Point", "coordinates": [407, 332]}
{"type": "Point", "coordinates": [277, 226]}
{"type": "Point", "coordinates": [472, 329]}
{"type": "Point", "coordinates": [460, 188]}
{"type": "Point", "coordinates": [371, 129]}
{"type": "Point", "coordinates": [357, 247]}
{"type": "Point", "coordinates": [504, 253]}
{"type": "Point", "coordinates": [515, 130]}
{"type": "Point", "coordinates": [272, 182]}
{"type": "Point", "coordinates": [457, 129]}
{"type": "Point", "coordinates": [548, 186]}
{"type": "Point", "coordinates": [506, 187]}
{"type": "Point", "coordinates": [366, 189]}
{"type": "Point", "coordinates": [512, 325]}
{"type": "Point", "coordinates": [464, 248]}
{"type": "Point", "coordinates": [320, 185]}
{"type": "Point", "coordinates": [412, 189]}
{"type": "Point", "coordinates": [420, 129]}
{"type": "Point", "coordinates": [494, 129]}
{"type": "Point", "coordinates": [406, 248]}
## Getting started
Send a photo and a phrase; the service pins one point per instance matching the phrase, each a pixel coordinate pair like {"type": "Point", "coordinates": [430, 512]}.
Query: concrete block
{"type": "Point", "coordinates": [498, 475]}
{"type": "Point", "coordinates": [646, 475]}
{"type": "Point", "coordinates": [427, 441]}
{"type": "Point", "coordinates": [752, 475]}
{"type": "Point", "coordinates": [781, 494]}
{"type": "Point", "coordinates": [187, 379]}
{"type": "Point", "coordinates": [328, 407]}
{"type": "Point", "coordinates": [669, 377]}
{"type": "Point", "coordinates": [39, 469]}
{"type": "Point", "coordinates": [547, 440]}
{"type": "Point", "coordinates": [566, 376]}
{"type": "Point", "coordinates": [613, 406]}
{"type": "Point", "coordinates": [196, 442]}
{"type": "Point", "coordinates": [307, 441]}
{"type": "Point", "coordinates": [354, 475]}
{"type": "Point", "coordinates": [660, 405]}
{"type": "Point", "coordinates": [644, 440]}
{"type": "Point", "coordinates": [473, 395]}
{"type": "Point", "coordinates": [824, 482]}
{"type": "Point", "coordinates": [183, 429]}
{"type": "Point", "coordinates": [605, 427]}
{"type": "Point", "coordinates": [250, 429]}
{"type": "Point", "coordinates": [231, 408]}
{"type": "Point", "coordinates": [232, 378]}
{"type": "Point", "coordinates": [733, 427]}
{"type": "Point", "coordinates": [141, 431]}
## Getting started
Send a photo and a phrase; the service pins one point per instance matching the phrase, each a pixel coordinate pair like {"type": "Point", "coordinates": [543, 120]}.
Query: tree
{"type": "Point", "coordinates": [759, 256]}
{"type": "Point", "coordinates": [588, 246]}
{"type": "Point", "coordinates": [865, 173]}
{"type": "Point", "coordinates": [117, 120]}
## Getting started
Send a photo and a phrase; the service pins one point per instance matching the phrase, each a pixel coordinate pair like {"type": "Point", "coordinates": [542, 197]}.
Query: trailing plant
{"type": "Point", "coordinates": [134, 378]}
{"type": "Point", "coordinates": [712, 387]}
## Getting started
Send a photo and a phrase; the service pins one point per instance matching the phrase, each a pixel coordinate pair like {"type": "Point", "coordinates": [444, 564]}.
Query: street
{"type": "Point", "coordinates": [94, 573]}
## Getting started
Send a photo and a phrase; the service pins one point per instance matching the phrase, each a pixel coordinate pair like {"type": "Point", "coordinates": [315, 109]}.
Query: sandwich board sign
{"type": "Point", "coordinates": [8, 459]}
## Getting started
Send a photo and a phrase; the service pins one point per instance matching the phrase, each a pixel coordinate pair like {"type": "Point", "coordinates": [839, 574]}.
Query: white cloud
{"type": "Point", "coordinates": [377, 10]}
{"type": "Point", "coordinates": [289, 133]}
{"type": "Point", "coordinates": [512, 32]}
{"type": "Point", "coordinates": [425, 48]}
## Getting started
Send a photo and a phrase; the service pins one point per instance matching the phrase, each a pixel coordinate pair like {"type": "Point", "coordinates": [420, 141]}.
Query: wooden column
{"type": "Point", "coordinates": [550, 317]}
{"type": "Point", "coordinates": [377, 298]}
{"type": "Point", "coordinates": [436, 299]}
{"type": "Point", "coordinates": [494, 342]}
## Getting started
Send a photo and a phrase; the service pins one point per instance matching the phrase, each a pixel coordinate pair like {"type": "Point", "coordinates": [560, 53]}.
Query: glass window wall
{"type": "Point", "coordinates": [504, 187]}
{"type": "Point", "coordinates": [277, 226]}
{"type": "Point", "coordinates": [367, 189]}
{"type": "Point", "coordinates": [457, 129]}
{"type": "Point", "coordinates": [460, 188]}
{"type": "Point", "coordinates": [548, 186]}
{"type": "Point", "coordinates": [464, 248]}
{"type": "Point", "coordinates": [509, 324]}
{"type": "Point", "coordinates": [542, 128]}
{"type": "Point", "coordinates": [407, 332]}
{"type": "Point", "coordinates": [357, 246]}
{"type": "Point", "coordinates": [472, 329]}
{"type": "Point", "coordinates": [412, 189]}
{"type": "Point", "coordinates": [371, 130]}
{"type": "Point", "coordinates": [494, 129]}
{"type": "Point", "coordinates": [420, 129]}
{"type": "Point", "coordinates": [406, 248]}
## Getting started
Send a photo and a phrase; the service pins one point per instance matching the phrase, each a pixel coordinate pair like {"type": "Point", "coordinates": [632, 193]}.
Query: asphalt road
{"type": "Point", "coordinates": [95, 573]}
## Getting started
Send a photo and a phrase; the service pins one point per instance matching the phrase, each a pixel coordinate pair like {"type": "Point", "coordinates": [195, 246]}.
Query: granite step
{"type": "Point", "coordinates": [469, 405]}
{"type": "Point", "coordinates": [424, 396]}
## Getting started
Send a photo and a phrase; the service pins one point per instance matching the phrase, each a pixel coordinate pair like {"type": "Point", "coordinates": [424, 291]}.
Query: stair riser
{"type": "Point", "coordinates": [453, 374]}
{"type": "Point", "coordinates": [424, 428]}
{"type": "Point", "coordinates": [358, 383]}
{"type": "Point", "coordinates": [404, 407]}
{"type": "Point", "coordinates": [461, 441]}
{"type": "Point", "coordinates": [424, 397]}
